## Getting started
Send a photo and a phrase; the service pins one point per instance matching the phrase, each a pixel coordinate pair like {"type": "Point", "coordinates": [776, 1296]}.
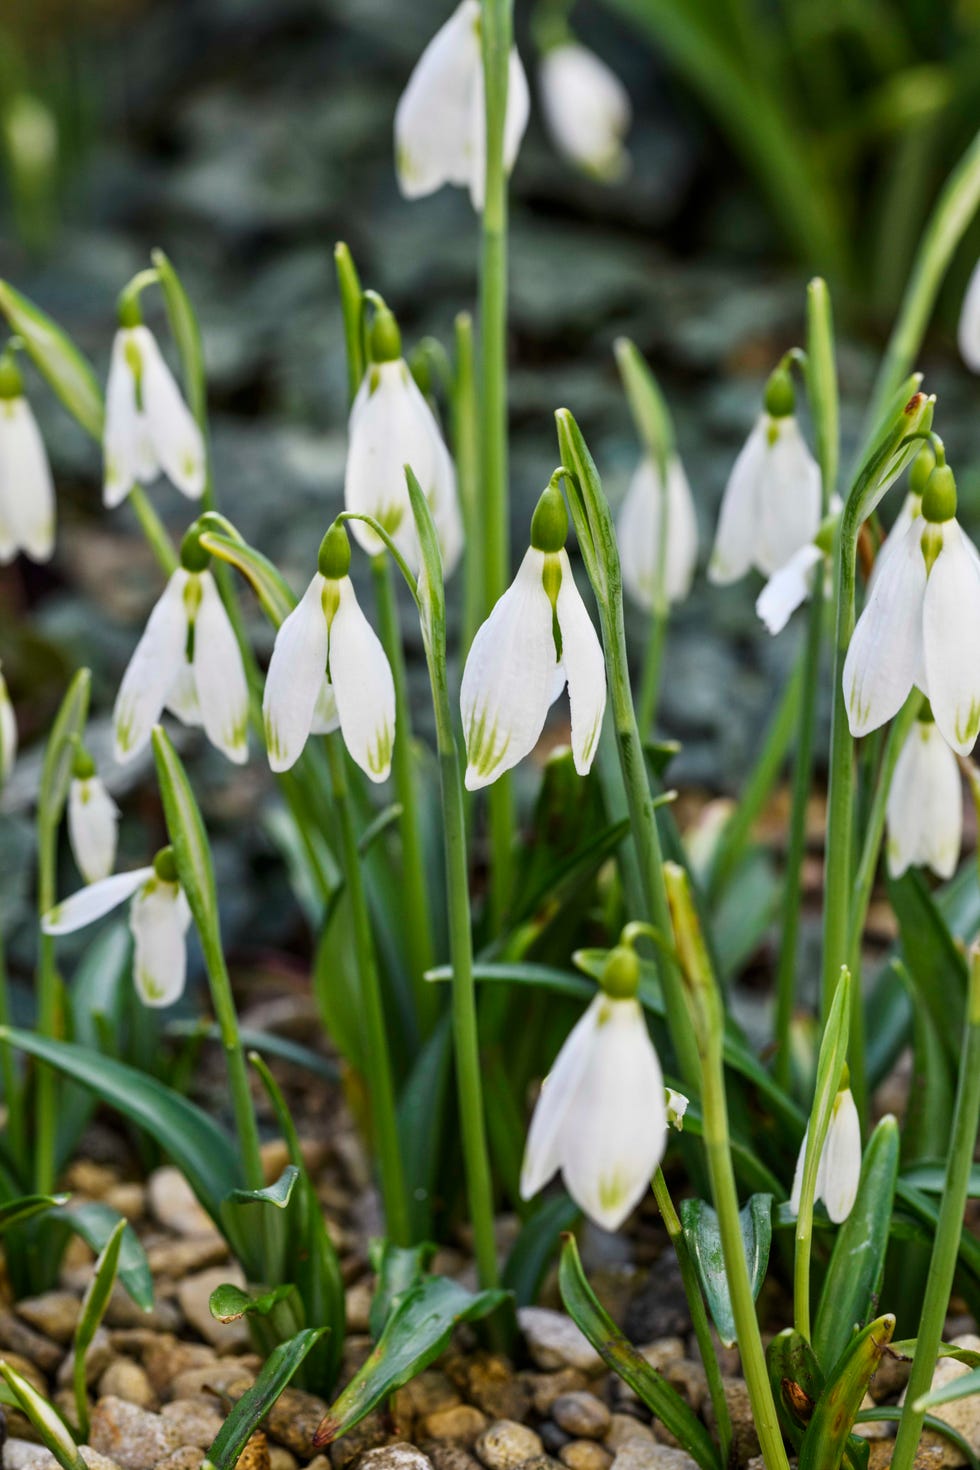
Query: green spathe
{"type": "Point", "coordinates": [333, 558]}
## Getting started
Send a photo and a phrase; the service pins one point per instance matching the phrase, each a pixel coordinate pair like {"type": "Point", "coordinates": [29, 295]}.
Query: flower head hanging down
{"type": "Point", "coordinates": [925, 804]}
{"type": "Point", "coordinates": [148, 427]}
{"type": "Point", "coordinates": [93, 820]}
{"type": "Point", "coordinates": [771, 505]}
{"type": "Point", "coordinates": [968, 334]}
{"type": "Point", "coordinates": [911, 508]}
{"type": "Point", "coordinates": [392, 426]}
{"type": "Point", "coordinates": [840, 1162]}
{"type": "Point", "coordinates": [440, 122]}
{"type": "Point", "coordinates": [187, 661]}
{"type": "Point", "coordinates": [921, 626]}
{"type": "Point", "coordinates": [26, 487]}
{"type": "Point", "coordinates": [8, 733]}
{"type": "Point", "coordinates": [587, 109]}
{"type": "Point", "coordinates": [638, 534]}
{"type": "Point", "coordinates": [328, 669]}
{"type": "Point", "coordinates": [601, 1117]}
{"type": "Point", "coordinates": [159, 917]}
{"type": "Point", "coordinates": [538, 638]}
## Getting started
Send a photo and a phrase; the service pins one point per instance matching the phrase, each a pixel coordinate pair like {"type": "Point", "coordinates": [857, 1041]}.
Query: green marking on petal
{"type": "Point", "coordinates": [612, 1190]}
{"type": "Point", "coordinates": [485, 747]}
{"type": "Point", "coordinates": [966, 727]}
{"type": "Point", "coordinates": [379, 755]}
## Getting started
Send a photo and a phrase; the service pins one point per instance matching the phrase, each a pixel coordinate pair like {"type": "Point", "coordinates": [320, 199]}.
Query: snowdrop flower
{"type": "Point", "coordinates": [840, 1162]}
{"type": "Point", "coordinates": [922, 467]}
{"type": "Point", "coordinates": [440, 121]}
{"type": "Point", "coordinates": [159, 917]}
{"type": "Point", "coordinates": [968, 334]}
{"type": "Point", "coordinates": [328, 669]}
{"type": "Point", "coordinates": [148, 427]}
{"type": "Point", "coordinates": [8, 733]}
{"type": "Point", "coordinates": [601, 1117]}
{"type": "Point", "coordinates": [93, 820]}
{"type": "Point", "coordinates": [677, 1106]}
{"type": "Point", "coordinates": [791, 585]}
{"type": "Point", "coordinates": [587, 109]}
{"type": "Point", "coordinates": [771, 504]}
{"type": "Point", "coordinates": [538, 638]}
{"type": "Point", "coordinates": [925, 804]}
{"type": "Point", "coordinates": [638, 533]}
{"type": "Point", "coordinates": [921, 626]}
{"type": "Point", "coordinates": [26, 487]}
{"type": "Point", "coordinates": [187, 661]}
{"type": "Point", "coordinates": [392, 426]}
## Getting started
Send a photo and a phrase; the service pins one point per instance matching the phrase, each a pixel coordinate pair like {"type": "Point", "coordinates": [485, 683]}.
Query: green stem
{"type": "Point", "coordinates": [48, 987]}
{"type": "Point", "coordinates": [418, 922]}
{"type": "Point", "coordinates": [699, 1316]}
{"type": "Point", "coordinates": [466, 443]}
{"type": "Point", "coordinates": [12, 1092]}
{"type": "Point", "coordinates": [652, 665]}
{"type": "Point", "coordinates": [154, 530]}
{"type": "Point", "coordinates": [226, 1017]}
{"type": "Point", "coordinates": [379, 1080]}
{"type": "Point", "coordinates": [946, 1247]}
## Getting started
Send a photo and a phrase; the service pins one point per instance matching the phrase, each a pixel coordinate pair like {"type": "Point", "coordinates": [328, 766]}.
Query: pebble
{"type": "Point", "coordinates": [97, 1359]}
{"type": "Point", "coordinates": [194, 1296]}
{"type": "Point", "coordinates": [197, 1419]}
{"type": "Point", "coordinates": [178, 1258]}
{"type": "Point", "coordinates": [124, 1379]}
{"type": "Point", "coordinates": [581, 1415]}
{"type": "Point", "coordinates": [690, 1379]}
{"type": "Point", "coordinates": [219, 1376]}
{"type": "Point", "coordinates": [624, 1430]}
{"type": "Point", "coordinates": [507, 1444]}
{"type": "Point", "coordinates": [54, 1313]}
{"type": "Point", "coordinates": [85, 1176]}
{"type": "Point", "coordinates": [293, 1421]}
{"type": "Point", "coordinates": [188, 1457]}
{"type": "Point", "coordinates": [371, 1432]}
{"type": "Point", "coordinates": [448, 1456]}
{"type": "Point", "coordinates": [122, 1311]}
{"type": "Point", "coordinates": [174, 1204]}
{"type": "Point", "coordinates": [546, 1387]}
{"type": "Point", "coordinates": [22, 1454]}
{"type": "Point", "coordinates": [927, 1457]}
{"type": "Point", "coordinates": [744, 1435]}
{"type": "Point", "coordinates": [962, 1414]}
{"type": "Point", "coordinates": [358, 1302]}
{"type": "Point", "coordinates": [554, 1341]}
{"type": "Point", "coordinates": [128, 1200]}
{"type": "Point", "coordinates": [255, 1455]}
{"type": "Point", "coordinates": [461, 1422]}
{"type": "Point", "coordinates": [166, 1359]}
{"type": "Point", "coordinates": [133, 1437]}
{"type": "Point", "coordinates": [553, 1438]}
{"type": "Point", "coordinates": [488, 1381]}
{"type": "Point", "coordinates": [640, 1456]}
{"type": "Point", "coordinates": [397, 1456]}
{"type": "Point", "coordinates": [424, 1395]}
{"type": "Point", "coordinates": [585, 1454]}
{"type": "Point", "coordinates": [21, 1339]}
{"type": "Point", "coordinates": [280, 1458]}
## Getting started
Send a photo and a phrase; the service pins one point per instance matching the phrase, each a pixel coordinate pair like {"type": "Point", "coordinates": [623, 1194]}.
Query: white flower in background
{"type": "Point", "coordinates": [328, 669]}
{"type": "Point", "coordinates": [587, 109]}
{"type": "Point", "coordinates": [440, 121]}
{"type": "Point", "coordinates": [538, 638]}
{"type": "Point", "coordinates": [26, 487]}
{"type": "Point", "coordinates": [93, 821]}
{"type": "Point", "coordinates": [638, 533]}
{"type": "Point", "coordinates": [391, 426]}
{"type": "Point", "coordinates": [602, 1116]}
{"type": "Point", "coordinates": [148, 427]}
{"type": "Point", "coordinates": [921, 626]}
{"type": "Point", "coordinates": [187, 661]}
{"type": "Point", "coordinates": [158, 917]}
{"type": "Point", "coordinates": [925, 804]}
{"type": "Point", "coordinates": [677, 1106]}
{"type": "Point", "coordinates": [840, 1162]}
{"type": "Point", "coordinates": [771, 504]}
{"type": "Point", "coordinates": [8, 733]}
{"type": "Point", "coordinates": [968, 334]}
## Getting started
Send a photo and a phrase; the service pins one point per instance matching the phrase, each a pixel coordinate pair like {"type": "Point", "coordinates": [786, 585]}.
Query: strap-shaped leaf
{"type": "Point", "coordinates": [229, 1303]}
{"type": "Point", "coordinates": [59, 753]}
{"type": "Point", "coordinates": [45, 1420]}
{"type": "Point", "coordinates": [186, 332]}
{"type": "Point", "coordinates": [69, 374]}
{"type": "Point", "coordinates": [16, 1211]}
{"type": "Point", "coordinates": [703, 1237]}
{"type": "Point", "coordinates": [837, 1408]}
{"type": "Point", "coordinates": [255, 1403]}
{"type": "Point", "coordinates": [268, 583]}
{"type": "Point", "coordinates": [94, 1303]}
{"type": "Point", "coordinates": [96, 1224]}
{"type": "Point", "coordinates": [398, 1270]}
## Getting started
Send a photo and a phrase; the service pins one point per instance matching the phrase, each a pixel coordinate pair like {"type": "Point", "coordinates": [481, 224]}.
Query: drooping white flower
{"type": "Point", "coordinates": [788, 588]}
{"type": "Point", "coordinates": [159, 917]}
{"type": "Point", "coordinates": [27, 507]}
{"type": "Point", "coordinates": [538, 638]}
{"type": "Point", "coordinates": [440, 121]}
{"type": "Point", "coordinates": [601, 1117]}
{"type": "Point", "coordinates": [148, 427]}
{"type": "Point", "coordinates": [8, 733]}
{"type": "Point", "coordinates": [93, 822]}
{"type": "Point", "coordinates": [921, 626]}
{"type": "Point", "coordinates": [187, 661]}
{"type": "Point", "coordinates": [925, 805]}
{"type": "Point", "coordinates": [638, 533]}
{"type": "Point", "coordinates": [328, 669]}
{"type": "Point", "coordinates": [839, 1169]}
{"type": "Point", "coordinates": [968, 334]}
{"type": "Point", "coordinates": [587, 109]}
{"type": "Point", "coordinates": [392, 426]}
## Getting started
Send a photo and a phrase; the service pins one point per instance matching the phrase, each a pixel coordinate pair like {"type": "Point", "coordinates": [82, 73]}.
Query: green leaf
{"type": "Point", "coordinates": [267, 582]}
{"type": "Point", "coordinates": [97, 1223]}
{"type": "Point", "coordinates": [907, 1346]}
{"type": "Point", "coordinates": [266, 1043]}
{"type": "Point", "coordinates": [68, 373]}
{"type": "Point", "coordinates": [45, 1420]}
{"type": "Point", "coordinates": [349, 285]}
{"type": "Point", "coordinates": [59, 753]}
{"type": "Point", "coordinates": [16, 1211]}
{"type": "Point", "coordinates": [416, 1332]}
{"type": "Point", "coordinates": [891, 1414]}
{"type": "Point", "coordinates": [277, 1194]}
{"type": "Point", "coordinates": [537, 1243]}
{"type": "Point", "coordinates": [962, 1387]}
{"type": "Point", "coordinates": [651, 416]}
{"type": "Point", "coordinates": [930, 950]}
{"type": "Point", "coordinates": [703, 1236]}
{"type": "Point", "coordinates": [187, 334]}
{"type": "Point", "coordinates": [797, 1382]}
{"type": "Point", "coordinates": [398, 1269]}
{"type": "Point", "coordinates": [622, 1357]}
{"type": "Point", "coordinates": [837, 1407]}
{"type": "Point", "coordinates": [192, 852]}
{"type": "Point", "coordinates": [255, 1403]}
{"type": "Point", "coordinates": [853, 1280]}
{"type": "Point", "coordinates": [262, 1239]}
{"type": "Point", "coordinates": [229, 1303]}
{"type": "Point", "coordinates": [94, 1304]}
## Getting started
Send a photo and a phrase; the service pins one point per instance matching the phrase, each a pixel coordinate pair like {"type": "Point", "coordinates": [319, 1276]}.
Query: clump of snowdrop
{"type": "Point", "coordinates": [537, 639]}
{"type": "Point", "coordinates": [328, 669]}
{"type": "Point", "coordinates": [8, 733]}
{"type": "Point", "coordinates": [149, 429]}
{"type": "Point", "coordinates": [925, 803]}
{"type": "Point", "coordinates": [639, 532]}
{"type": "Point", "coordinates": [440, 122]}
{"type": "Point", "coordinates": [187, 661]}
{"type": "Point", "coordinates": [839, 1169]}
{"type": "Point", "coordinates": [968, 334]}
{"type": "Point", "coordinates": [159, 917]}
{"type": "Point", "coordinates": [771, 505]}
{"type": "Point", "coordinates": [602, 1114]}
{"type": "Point", "coordinates": [27, 506]}
{"type": "Point", "coordinates": [391, 426]}
{"type": "Point", "coordinates": [93, 820]}
{"type": "Point", "coordinates": [586, 107]}
{"type": "Point", "coordinates": [921, 625]}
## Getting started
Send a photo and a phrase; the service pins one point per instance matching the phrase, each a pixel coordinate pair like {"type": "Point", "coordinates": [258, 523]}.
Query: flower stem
{"type": "Point", "coordinates": [466, 444]}
{"type": "Point", "coordinates": [840, 797]}
{"type": "Point", "coordinates": [154, 530]}
{"type": "Point", "coordinates": [12, 1090]}
{"type": "Point", "coordinates": [652, 665]}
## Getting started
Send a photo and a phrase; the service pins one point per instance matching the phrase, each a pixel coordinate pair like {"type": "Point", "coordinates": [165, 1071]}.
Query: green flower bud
{"type": "Point", "coordinates": [939, 496]}
{"type": "Point", "coordinates": [621, 973]}
{"type": "Point", "coordinates": [165, 865]}
{"type": "Point", "coordinates": [384, 340]}
{"type": "Point", "coordinates": [780, 399]}
{"type": "Point", "coordinates": [11, 382]}
{"type": "Point", "coordinates": [333, 559]}
{"type": "Point", "coordinates": [922, 467]}
{"type": "Point", "coordinates": [549, 524]}
{"type": "Point", "coordinates": [193, 557]}
{"type": "Point", "coordinates": [82, 766]}
{"type": "Point", "coordinates": [128, 308]}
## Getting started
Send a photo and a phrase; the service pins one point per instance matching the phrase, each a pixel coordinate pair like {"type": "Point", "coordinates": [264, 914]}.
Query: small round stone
{"type": "Point", "coordinates": [585, 1454]}
{"type": "Point", "coordinates": [461, 1422]}
{"type": "Point", "coordinates": [582, 1415]}
{"type": "Point", "coordinates": [507, 1444]}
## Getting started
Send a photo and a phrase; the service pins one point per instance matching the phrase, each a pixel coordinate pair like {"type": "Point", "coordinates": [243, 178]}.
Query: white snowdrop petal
{"type": "Point", "coordinates": [363, 686]}
{"type": "Point", "coordinates": [446, 511]}
{"type": "Point", "coordinates": [159, 921]}
{"type": "Point", "coordinates": [911, 508]}
{"type": "Point", "coordinates": [8, 733]}
{"type": "Point", "coordinates": [840, 1162]}
{"type": "Point", "coordinates": [153, 669]}
{"type": "Point", "coordinates": [885, 652]}
{"type": "Point", "coordinates": [925, 805]}
{"type": "Point", "coordinates": [295, 678]}
{"type": "Point", "coordinates": [789, 496]}
{"type": "Point", "coordinates": [26, 486]}
{"type": "Point", "coordinates": [126, 449]}
{"type": "Point", "coordinates": [433, 127]}
{"type": "Point", "coordinates": [173, 430]}
{"type": "Point", "coordinates": [508, 678]}
{"type": "Point", "coordinates": [682, 532]}
{"type": "Point", "coordinates": [222, 689]}
{"type": "Point", "coordinates": [182, 699]}
{"type": "Point", "coordinates": [738, 522]}
{"type": "Point", "coordinates": [788, 588]}
{"type": "Point", "coordinates": [391, 426]}
{"type": "Point", "coordinates": [951, 639]}
{"type": "Point", "coordinates": [796, 1193]}
{"type": "Point", "coordinates": [93, 901]}
{"type": "Point", "coordinates": [968, 334]}
{"type": "Point", "coordinates": [93, 821]}
{"type": "Point", "coordinates": [542, 1152]}
{"type": "Point", "coordinates": [325, 715]}
{"type": "Point", "coordinates": [584, 667]}
{"type": "Point", "coordinates": [518, 109]}
{"type": "Point", "coordinates": [638, 534]}
{"type": "Point", "coordinates": [587, 109]}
